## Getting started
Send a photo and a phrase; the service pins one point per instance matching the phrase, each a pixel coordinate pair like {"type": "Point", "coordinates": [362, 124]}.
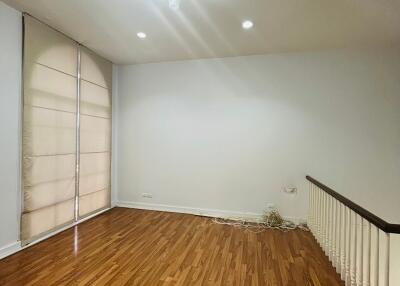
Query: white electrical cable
{"type": "Point", "coordinates": [258, 227]}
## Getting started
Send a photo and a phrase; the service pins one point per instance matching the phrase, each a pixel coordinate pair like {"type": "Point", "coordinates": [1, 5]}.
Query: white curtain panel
{"type": "Point", "coordinates": [50, 131]}
{"type": "Point", "coordinates": [95, 133]}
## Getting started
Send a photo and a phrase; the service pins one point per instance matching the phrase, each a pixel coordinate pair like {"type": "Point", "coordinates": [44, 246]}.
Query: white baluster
{"type": "Point", "coordinates": [323, 220]}
{"type": "Point", "coordinates": [343, 243]}
{"type": "Point", "coordinates": [316, 203]}
{"type": "Point", "coordinates": [315, 211]}
{"type": "Point", "coordinates": [375, 256]}
{"type": "Point", "coordinates": [337, 232]}
{"type": "Point", "coordinates": [326, 230]}
{"type": "Point", "coordinates": [310, 207]}
{"type": "Point", "coordinates": [327, 222]}
{"type": "Point", "coordinates": [330, 224]}
{"type": "Point", "coordinates": [353, 265]}
{"type": "Point", "coordinates": [394, 266]}
{"type": "Point", "coordinates": [385, 257]}
{"type": "Point", "coordinates": [329, 228]}
{"type": "Point", "coordinates": [348, 248]}
{"type": "Point", "coordinates": [367, 253]}
{"type": "Point", "coordinates": [333, 232]}
{"type": "Point", "coordinates": [313, 208]}
{"type": "Point", "coordinates": [319, 214]}
{"type": "Point", "coordinates": [360, 250]}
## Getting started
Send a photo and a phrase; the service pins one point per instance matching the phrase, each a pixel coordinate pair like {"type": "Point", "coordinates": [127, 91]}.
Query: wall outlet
{"type": "Point", "coordinates": [147, 195]}
{"type": "Point", "coordinates": [290, 190]}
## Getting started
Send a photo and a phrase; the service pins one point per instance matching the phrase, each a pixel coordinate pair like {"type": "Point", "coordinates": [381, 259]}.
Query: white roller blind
{"type": "Point", "coordinates": [50, 127]}
{"type": "Point", "coordinates": [50, 83]}
{"type": "Point", "coordinates": [95, 133]}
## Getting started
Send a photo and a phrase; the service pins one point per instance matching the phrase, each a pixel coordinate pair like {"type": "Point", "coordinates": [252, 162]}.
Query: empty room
{"type": "Point", "coordinates": [200, 142]}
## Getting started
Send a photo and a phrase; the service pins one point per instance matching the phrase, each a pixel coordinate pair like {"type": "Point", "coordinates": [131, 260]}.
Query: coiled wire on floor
{"type": "Point", "coordinates": [270, 220]}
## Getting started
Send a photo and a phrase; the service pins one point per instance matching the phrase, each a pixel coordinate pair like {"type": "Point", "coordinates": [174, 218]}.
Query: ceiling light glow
{"type": "Point", "coordinates": [174, 4]}
{"type": "Point", "coordinates": [141, 35]}
{"type": "Point", "coordinates": [247, 24]}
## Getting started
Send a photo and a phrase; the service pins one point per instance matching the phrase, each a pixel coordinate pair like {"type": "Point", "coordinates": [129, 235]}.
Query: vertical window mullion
{"type": "Point", "coordinates": [78, 104]}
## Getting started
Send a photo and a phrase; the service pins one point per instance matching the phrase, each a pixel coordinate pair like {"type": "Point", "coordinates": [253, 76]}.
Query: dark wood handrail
{"type": "Point", "coordinates": [377, 221]}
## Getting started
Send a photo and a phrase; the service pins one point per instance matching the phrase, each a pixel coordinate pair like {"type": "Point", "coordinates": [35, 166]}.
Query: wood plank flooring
{"type": "Point", "coordinates": [138, 247]}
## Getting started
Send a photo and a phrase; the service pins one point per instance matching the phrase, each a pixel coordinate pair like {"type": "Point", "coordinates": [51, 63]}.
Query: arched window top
{"type": "Point", "coordinates": [95, 69]}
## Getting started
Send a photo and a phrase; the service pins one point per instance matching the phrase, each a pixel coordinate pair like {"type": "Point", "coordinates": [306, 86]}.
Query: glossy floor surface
{"type": "Point", "coordinates": [138, 247]}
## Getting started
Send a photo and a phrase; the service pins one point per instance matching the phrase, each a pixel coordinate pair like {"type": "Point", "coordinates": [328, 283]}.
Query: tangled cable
{"type": "Point", "coordinates": [270, 220]}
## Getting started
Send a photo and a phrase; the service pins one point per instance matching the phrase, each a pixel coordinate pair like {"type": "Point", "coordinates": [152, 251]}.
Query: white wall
{"type": "Point", "coordinates": [229, 134]}
{"type": "Point", "coordinates": [10, 104]}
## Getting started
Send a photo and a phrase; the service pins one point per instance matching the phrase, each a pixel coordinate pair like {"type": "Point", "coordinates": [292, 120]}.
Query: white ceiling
{"type": "Point", "coordinates": [212, 28]}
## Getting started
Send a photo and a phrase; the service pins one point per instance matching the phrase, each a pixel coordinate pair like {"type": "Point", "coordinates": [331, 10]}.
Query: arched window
{"type": "Point", "coordinates": [66, 131]}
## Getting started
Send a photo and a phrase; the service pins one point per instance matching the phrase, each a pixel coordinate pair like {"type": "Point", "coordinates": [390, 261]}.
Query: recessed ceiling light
{"type": "Point", "coordinates": [141, 35]}
{"type": "Point", "coordinates": [247, 24]}
{"type": "Point", "coordinates": [174, 4]}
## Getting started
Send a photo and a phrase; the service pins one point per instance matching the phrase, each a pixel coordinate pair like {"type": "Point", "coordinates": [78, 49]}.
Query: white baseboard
{"type": "Point", "coordinates": [256, 217]}
{"type": "Point", "coordinates": [10, 249]}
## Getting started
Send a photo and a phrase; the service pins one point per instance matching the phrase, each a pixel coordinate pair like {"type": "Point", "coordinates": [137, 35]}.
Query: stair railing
{"type": "Point", "coordinates": [364, 249]}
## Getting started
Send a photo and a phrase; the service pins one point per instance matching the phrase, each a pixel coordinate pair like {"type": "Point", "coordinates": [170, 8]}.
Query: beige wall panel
{"type": "Point", "coordinates": [48, 47]}
{"type": "Point", "coordinates": [49, 88]}
{"type": "Point", "coordinates": [94, 201]}
{"type": "Point", "coordinates": [95, 100]}
{"type": "Point", "coordinates": [94, 172]}
{"type": "Point", "coordinates": [45, 219]}
{"type": "Point", "coordinates": [44, 169]}
{"type": "Point", "coordinates": [48, 132]}
{"type": "Point", "coordinates": [48, 193]}
{"type": "Point", "coordinates": [95, 69]}
{"type": "Point", "coordinates": [95, 134]}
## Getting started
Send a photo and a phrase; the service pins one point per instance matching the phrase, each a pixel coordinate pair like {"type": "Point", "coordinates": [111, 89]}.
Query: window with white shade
{"type": "Point", "coordinates": [95, 133]}
{"type": "Point", "coordinates": [66, 131]}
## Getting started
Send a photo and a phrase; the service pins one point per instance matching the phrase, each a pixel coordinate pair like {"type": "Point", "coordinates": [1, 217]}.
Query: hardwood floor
{"type": "Point", "coordinates": [137, 247]}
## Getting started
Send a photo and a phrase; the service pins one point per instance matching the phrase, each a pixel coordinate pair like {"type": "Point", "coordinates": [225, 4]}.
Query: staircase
{"type": "Point", "coordinates": [364, 249]}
